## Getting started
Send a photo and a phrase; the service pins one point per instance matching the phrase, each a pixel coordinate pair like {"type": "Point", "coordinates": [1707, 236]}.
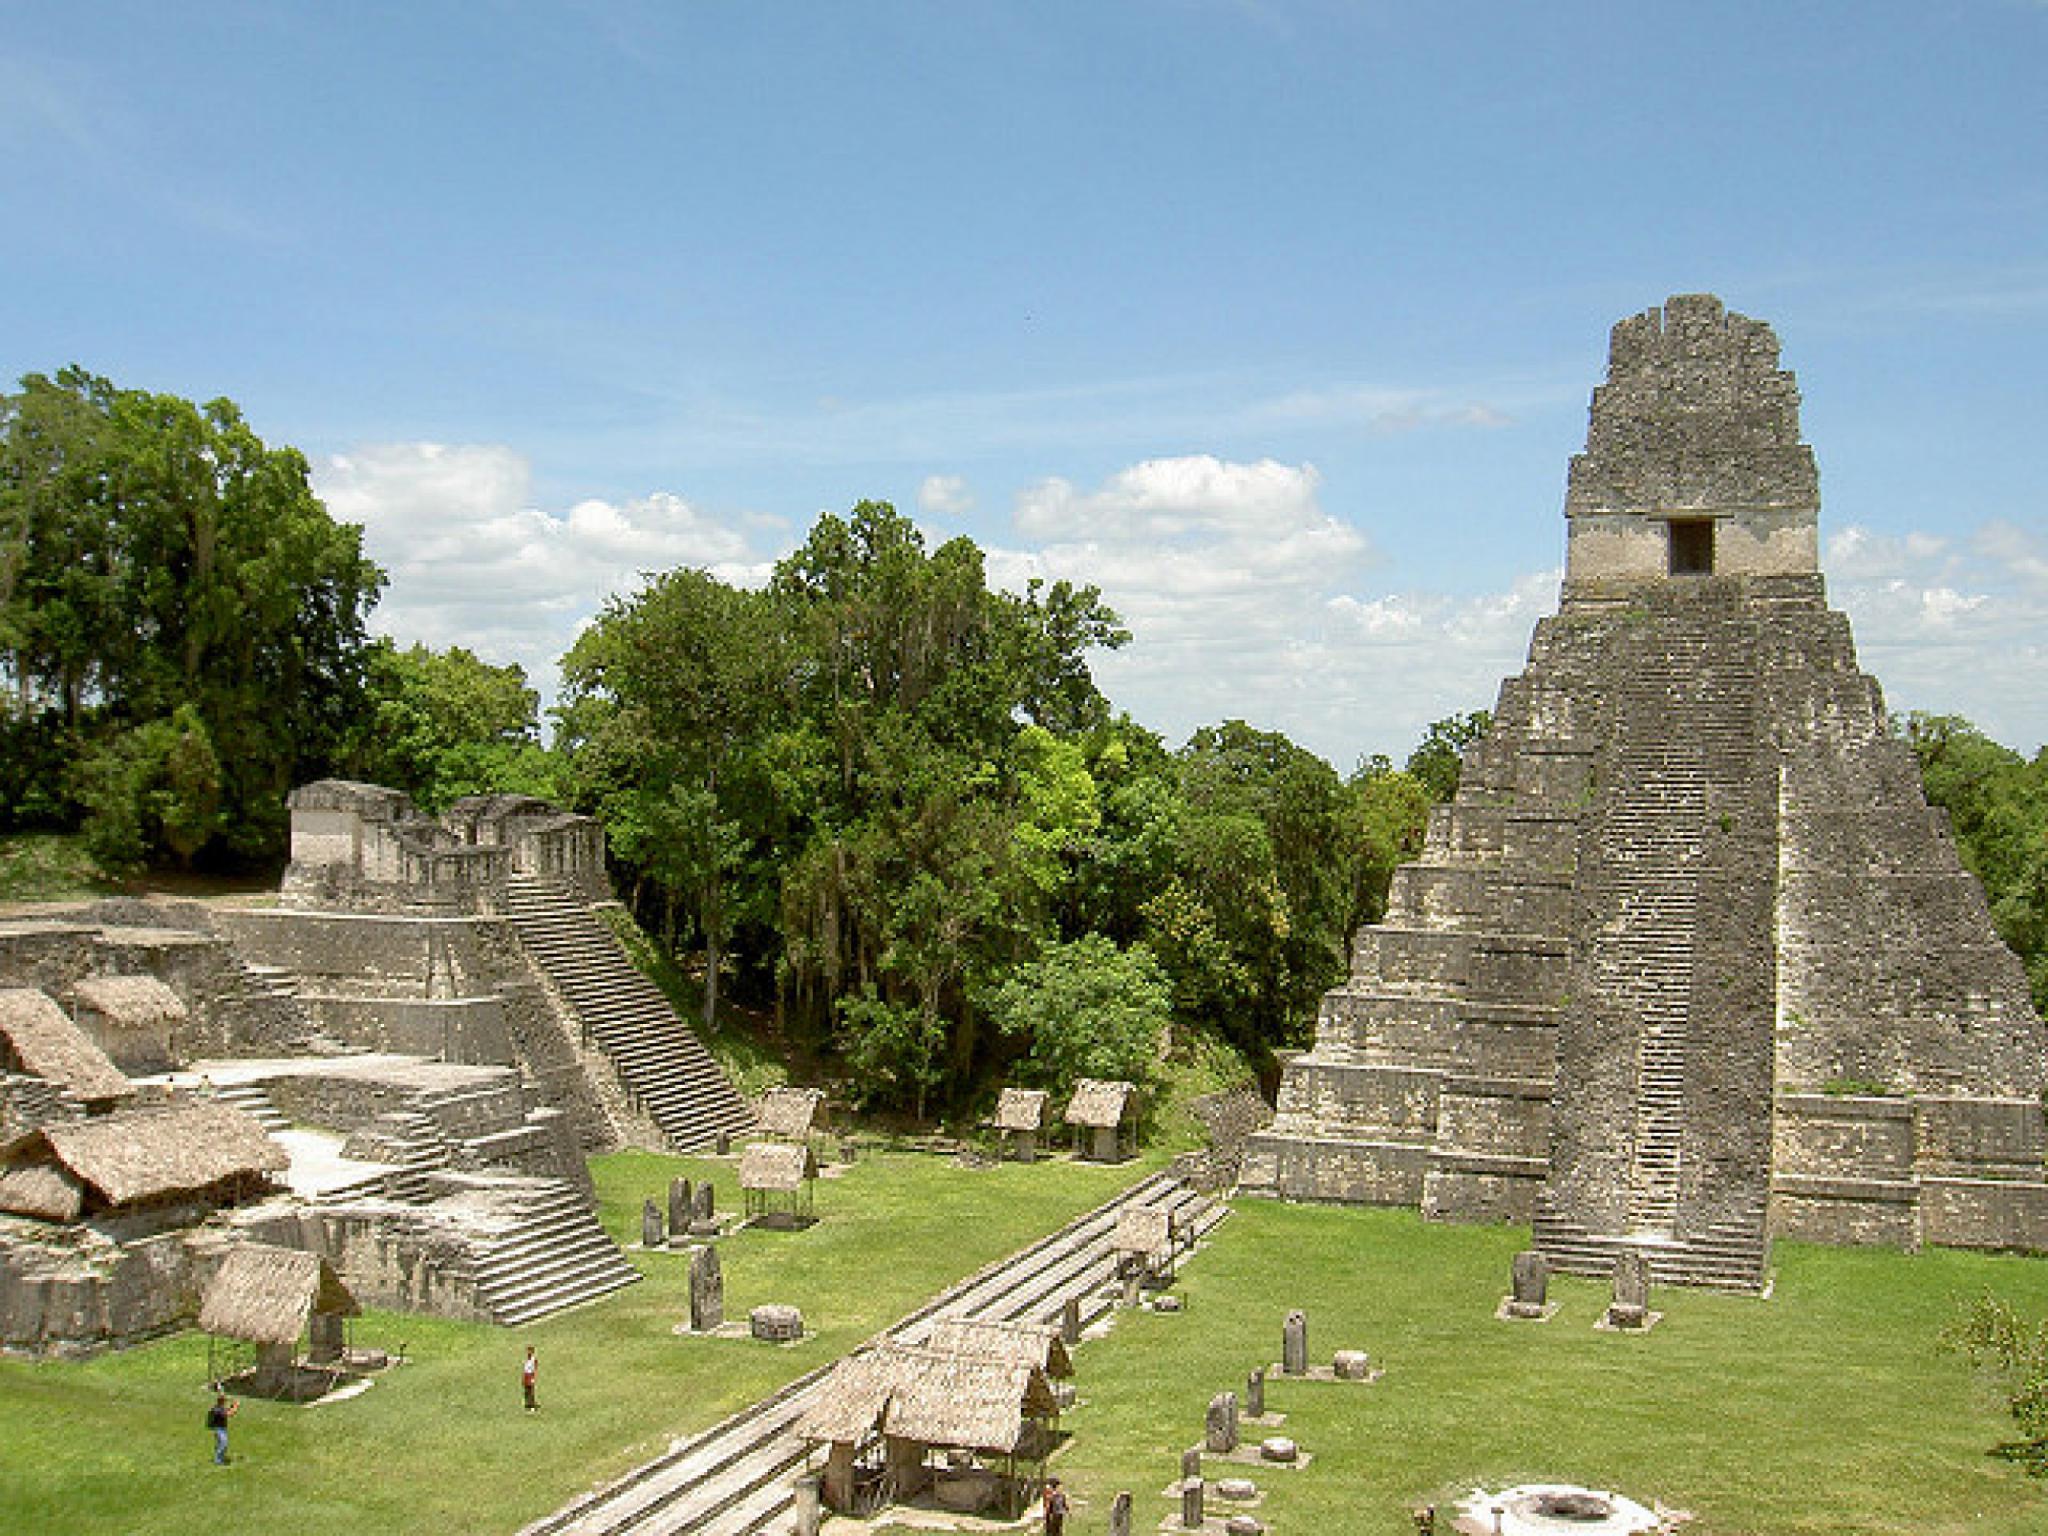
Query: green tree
{"type": "Point", "coordinates": [1086, 1009]}
{"type": "Point", "coordinates": [1388, 815]}
{"type": "Point", "coordinates": [672, 700]}
{"type": "Point", "coordinates": [444, 724]}
{"type": "Point", "coordinates": [1437, 759]}
{"type": "Point", "coordinates": [1250, 925]}
{"type": "Point", "coordinates": [1997, 802]}
{"type": "Point", "coordinates": [155, 554]}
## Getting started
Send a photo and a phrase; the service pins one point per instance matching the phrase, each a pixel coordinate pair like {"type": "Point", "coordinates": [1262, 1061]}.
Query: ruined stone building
{"type": "Point", "coordinates": [398, 1067]}
{"type": "Point", "coordinates": [1689, 961]}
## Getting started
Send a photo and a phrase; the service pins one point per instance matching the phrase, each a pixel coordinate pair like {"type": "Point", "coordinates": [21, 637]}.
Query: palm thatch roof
{"type": "Point", "coordinates": [789, 1111]}
{"type": "Point", "coordinates": [49, 1045]}
{"type": "Point", "coordinates": [776, 1166]}
{"type": "Point", "coordinates": [265, 1294]}
{"type": "Point", "coordinates": [1019, 1343]}
{"type": "Point", "coordinates": [1098, 1104]}
{"type": "Point", "coordinates": [1144, 1230]}
{"type": "Point", "coordinates": [152, 1154]}
{"type": "Point", "coordinates": [1020, 1109]}
{"type": "Point", "coordinates": [136, 1001]}
{"type": "Point", "coordinates": [39, 1190]}
{"type": "Point", "coordinates": [929, 1396]}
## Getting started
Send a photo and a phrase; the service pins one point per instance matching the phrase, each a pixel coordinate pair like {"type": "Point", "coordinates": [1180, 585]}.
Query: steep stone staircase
{"type": "Point", "coordinates": [252, 1101]}
{"type": "Point", "coordinates": [1686, 727]}
{"type": "Point", "coordinates": [554, 1256]}
{"type": "Point", "coordinates": [663, 1067]}
{"type": "Point", "coordinates": [1730, 1256]}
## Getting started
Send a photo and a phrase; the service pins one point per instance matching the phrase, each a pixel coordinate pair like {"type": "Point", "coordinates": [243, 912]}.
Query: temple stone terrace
{"type": "Point", "coordinates": [1689, 961]}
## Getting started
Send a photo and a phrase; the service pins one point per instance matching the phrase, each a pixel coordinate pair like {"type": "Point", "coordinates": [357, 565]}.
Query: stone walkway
{"type": "Point", "coordinates": [736, 1478]}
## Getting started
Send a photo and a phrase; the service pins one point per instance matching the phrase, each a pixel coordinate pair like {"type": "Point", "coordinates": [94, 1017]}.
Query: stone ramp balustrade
{"type": "Point", "coordinates": [662, 1066]}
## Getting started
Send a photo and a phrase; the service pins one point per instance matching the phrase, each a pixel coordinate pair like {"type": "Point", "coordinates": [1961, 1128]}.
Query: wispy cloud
{"type": "Point", "coordinates": [473, 562]}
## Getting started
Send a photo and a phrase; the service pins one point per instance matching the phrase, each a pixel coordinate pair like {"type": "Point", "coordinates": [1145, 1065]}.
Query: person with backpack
{"type": "Point", "coordinates": [217, 1420]}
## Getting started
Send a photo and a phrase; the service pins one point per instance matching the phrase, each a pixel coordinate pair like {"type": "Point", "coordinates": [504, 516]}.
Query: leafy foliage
{"type": "Point", "coordinates": [1997, 802]}
{"type": "Point", "coordinates": [444, 724]}
{"type": "Point", "coordinates": [1436, 761]}
{"type": "Point", "coordinates": [1087, 1009]}
{"type": "Point", "coordinates": [1993, 1336]}
{"type": "Point", "coordinates": [178, 615]}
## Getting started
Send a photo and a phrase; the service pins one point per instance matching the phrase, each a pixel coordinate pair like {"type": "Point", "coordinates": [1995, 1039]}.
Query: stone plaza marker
{"type": "Point", "coordinates": [707, 1291]}
{"type": "Point", "coordinates": [1630, 1308]}
{"type": "Point", "coordinates": [1120, 1514]}
{"type": "Point", "coordinates": [1294, 1345]}
{"type": "Point", "coordinates": [679, 1204]}
{"type": "Point", "coordinates": [1529, 1294]}
{"type": "Point", "coordinates": [651, 1235]}
{"type": "Point", "coordinates": [1220, 1431]}
{"type": "Point", "coordinates": [1255, 1394]}
{"type": "Point", "coordinates": [1688, 886]}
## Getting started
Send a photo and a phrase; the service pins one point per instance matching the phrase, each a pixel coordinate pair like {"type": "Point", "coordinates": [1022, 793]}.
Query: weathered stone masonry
{"type": "Point", "coordinates": [1689, 960]}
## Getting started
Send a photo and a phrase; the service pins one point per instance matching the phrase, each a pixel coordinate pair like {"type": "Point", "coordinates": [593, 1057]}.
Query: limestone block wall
{"type": "Point", "coordinates": [468, 1029]}
{"type": "Point", "coordinates": [402, 1259]}
{"type": "Point", "coordinates": [92, 1295]}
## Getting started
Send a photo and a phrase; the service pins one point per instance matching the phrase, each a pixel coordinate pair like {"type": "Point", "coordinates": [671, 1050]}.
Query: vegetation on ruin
{"type": "Point", "coordinates": [46, 866]}
{"type": "Point", "coordinates": [1997, 802]}
{"type": "Point", "coordinates": [115, 1445]}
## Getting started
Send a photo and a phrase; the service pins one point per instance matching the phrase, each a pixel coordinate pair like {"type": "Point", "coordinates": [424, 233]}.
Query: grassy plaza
{"type": "Point", "coordinates": [1828, 1408]}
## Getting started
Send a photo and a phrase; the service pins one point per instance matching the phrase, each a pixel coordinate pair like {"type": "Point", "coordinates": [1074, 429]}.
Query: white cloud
{"type": "Point", "coordinates": [1954, 626]}
{"type": "Point", "coordinates": [945, 496]}
{"type": "Point", "coordinates": [1245, 598]}
{"type": "Point", "coordinates": [472, 562]}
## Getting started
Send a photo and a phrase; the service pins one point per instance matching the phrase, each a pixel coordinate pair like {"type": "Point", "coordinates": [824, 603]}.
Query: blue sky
{"type": "Point", "coordinates": [1278, 320]}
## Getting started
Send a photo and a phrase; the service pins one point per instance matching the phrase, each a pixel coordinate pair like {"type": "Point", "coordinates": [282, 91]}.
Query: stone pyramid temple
{"type": "Point", "coordinates": [1688, 962]}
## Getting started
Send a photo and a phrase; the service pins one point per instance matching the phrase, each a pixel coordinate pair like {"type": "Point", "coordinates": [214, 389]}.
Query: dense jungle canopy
{"type": "Point", "coordinates": [876, 797]}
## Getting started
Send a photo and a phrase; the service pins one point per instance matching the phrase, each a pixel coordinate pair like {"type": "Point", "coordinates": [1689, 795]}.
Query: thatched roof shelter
{"type": "Point", "coordinates": [1030, 1344]}
{"type": "Point", "coordinates": [1099, 1105]}
{"type": "Point", "coordinates": [1144, 1231]}
{"type": "Point", "coordinates": [931, 1397]}
{"type": "Point", "coordinates": [141, 1156]}
{"type": "Point", "coordinates": [41, 1036]}
{"type": "Point", "coordinates": [42, 1191]}
{"type": "Point", "coordinates": [790, 1111]}
{"type": "Point", "coordinates": [138, 1002]}
{"type": "Point", "coordinates": [776, 1167]}
{"type": "Point", "coordinates": [1021, 1109]}
{"type": "Point", "coordinates": [266, 1295]}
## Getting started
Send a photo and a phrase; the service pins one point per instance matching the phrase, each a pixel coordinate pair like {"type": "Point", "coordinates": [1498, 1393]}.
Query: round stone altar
{"type": "Point", "coordinates": [1554, 1509]}
{"type": "Point", "coordinates": [776, 1323]}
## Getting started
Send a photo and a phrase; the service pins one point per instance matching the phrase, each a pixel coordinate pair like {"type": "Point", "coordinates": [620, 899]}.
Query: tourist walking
{"type": "Point", "coordinates": [529, 1374]}
{"type": "Point", "coordinates": [217, 1420]}
{"type": "Point", "coordinates": [1055, 1507]}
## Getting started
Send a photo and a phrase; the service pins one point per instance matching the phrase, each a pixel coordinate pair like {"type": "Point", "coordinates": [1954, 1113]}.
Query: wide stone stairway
{"type": "Point", "coordinates": [737, 1478]}
{"type": "Point", "coordinates": [662, 1066]}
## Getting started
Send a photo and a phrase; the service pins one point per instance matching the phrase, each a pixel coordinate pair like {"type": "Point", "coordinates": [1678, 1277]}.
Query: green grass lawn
{"type": "Point", "coordinates": [117, 1444]}
{"type": "Point", "coordinates": [1826, 1409]}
